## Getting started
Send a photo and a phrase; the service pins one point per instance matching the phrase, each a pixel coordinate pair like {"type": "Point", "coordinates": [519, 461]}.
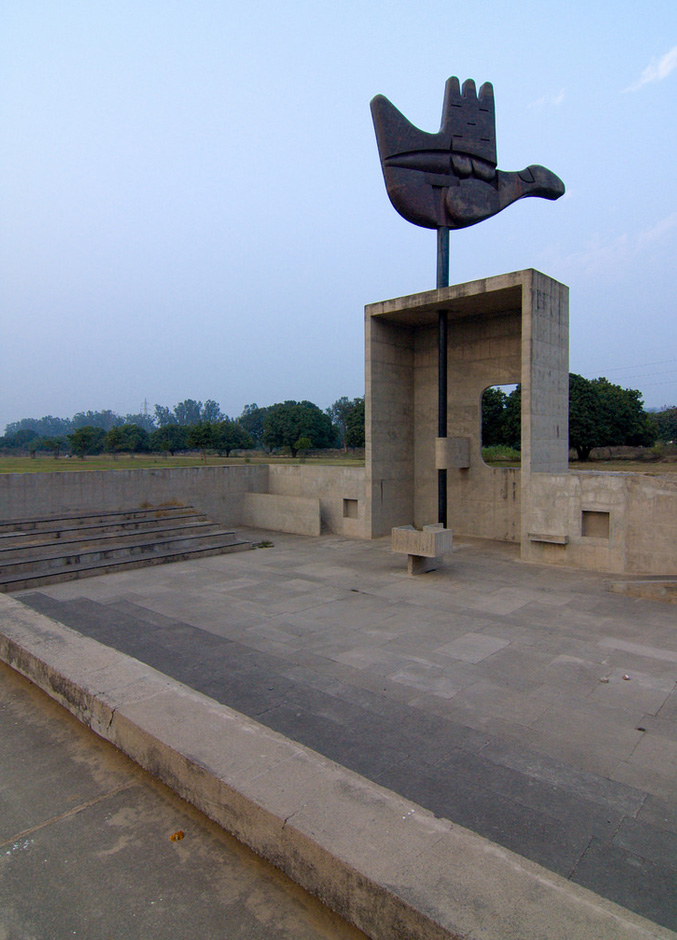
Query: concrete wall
{"type": "Point", "coordinates": [336, 493]}
{"type": "Point", "coordinates": [340, 491]}
{"type": "Point", "coordinates": [295, 514]}
{"type": "Point", "coordinates": [216, 491]}
{"type": "Point", "coordinates": [501, 330]}
{"type": "Point", "coordinates": [389, 425]}
{"type": "Point", "coordinates": [617, 522]}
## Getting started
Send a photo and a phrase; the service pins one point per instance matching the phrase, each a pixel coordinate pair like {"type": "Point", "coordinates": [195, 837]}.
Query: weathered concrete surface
{"type": "Point", "coordinates": [477, 694]}
{"type": "Point", "coordinates": [86, 847]}
{"type": "Point", "coordinates": [641, 523]}
{"type": "Point", "coordinates": [295, 514]}
{"type": "Point", "coordinates": [216, 491]}
{"type": "Point", "coordinates": [332, 486]}
{"type": "Point", "coordinates": [653, 589]}
{"type": "Point", "coordinates": [431, 541]}
{"type": "Point", "coordinates": [506, 329]}
{"type": "Point", "coordinates": [219, 492]}
{"type": "Point", "coordinates": [407, 875]}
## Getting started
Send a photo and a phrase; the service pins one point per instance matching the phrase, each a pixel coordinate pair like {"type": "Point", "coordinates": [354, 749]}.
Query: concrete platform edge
{"type": "Point", "coordinates": [380, 861]}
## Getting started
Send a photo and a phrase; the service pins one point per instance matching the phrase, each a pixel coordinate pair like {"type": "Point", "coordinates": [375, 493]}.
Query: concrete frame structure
{"type": "Point", "coordinates": [502, 330]}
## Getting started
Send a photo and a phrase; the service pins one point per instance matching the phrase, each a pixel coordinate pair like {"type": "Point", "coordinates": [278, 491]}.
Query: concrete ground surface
{"type": "Point", "coordinates": [524, 703]}
{"type": "Point", "coordinates": [86, 848]}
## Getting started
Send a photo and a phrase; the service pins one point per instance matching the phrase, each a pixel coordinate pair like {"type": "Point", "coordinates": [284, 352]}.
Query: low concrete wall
{"type": "Point", "coordinates": [336, 495]}
{"type": "Point", "coordinates": [282, 513]}
{"type": "Point", "coordinates": [340, 491]}
{"type": "Point", "coordinates": [216, 491]}
{"type": "Point", "coordinates": [618, 522]}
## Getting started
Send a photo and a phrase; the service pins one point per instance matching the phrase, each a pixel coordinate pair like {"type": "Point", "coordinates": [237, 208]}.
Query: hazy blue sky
{"type": "Point", "coordinates": [192, 203]}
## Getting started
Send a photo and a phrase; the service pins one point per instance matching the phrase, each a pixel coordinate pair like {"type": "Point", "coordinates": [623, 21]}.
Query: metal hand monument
{"type": "Point", "coordinates": [450, 180]}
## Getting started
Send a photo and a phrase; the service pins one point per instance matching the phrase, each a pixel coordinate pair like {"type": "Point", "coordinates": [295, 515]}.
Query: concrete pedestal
{"type": "Point", "coordinates": [425, 548]}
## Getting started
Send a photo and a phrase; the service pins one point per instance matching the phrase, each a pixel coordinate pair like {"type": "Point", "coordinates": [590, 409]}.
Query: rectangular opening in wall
{"type": "Point", "coordinates": [350, 509]}
{"type": "Point", "coordinates": [595, 524]}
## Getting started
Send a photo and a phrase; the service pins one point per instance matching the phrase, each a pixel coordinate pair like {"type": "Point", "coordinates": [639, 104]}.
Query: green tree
{"type": "Point", "coordinates": [602, 414]}
{"type": "Point", "coordinates": [287, 422]}
{"type": "Point", "coordinates": [96, 419]}
{"type": "Point", "coordinates": [128, 438]}
{"type": "Point", "coordinates": [512, 419]}
{"type": "Point", "coordinates": [494, 401]}
{"type": "Point", "coordinates": [343, 417]}
{"type": "Point", "coordinates": [251, 420]}
{"type": "Point", "coordinates": [54, 444]}
{"type": "Point", "coordinates": [86, 441]}
{"type": "Point", "coordinates": [144, 421]}
{"type": "Point", "coordinates": [113, 442]}
{"type": "Point", "coordinates": [666, 424]}
{"type": "Point", "coordinates": [355, 424]}
{"type": "Point", "coordinates": [303, 445]}
{"type": "Point", "coordinates": [211, 412]}
{"type": "Point", "coordinates": [136, 439]}
{"type": "Point", "coordinates": [169, 439]}
{"type": "Point", "coordinates": [45, 427]}
{"type": "Point", "coordinates": [19, 440]}
{"type": "Point", "coordinates": [164, 417]}
{"type": "Point", "coordinates": [201, 436]}
{"type": "Point", "coordinates": [229, 435]}
{"type": "Point", "coordinates": [188, 412]}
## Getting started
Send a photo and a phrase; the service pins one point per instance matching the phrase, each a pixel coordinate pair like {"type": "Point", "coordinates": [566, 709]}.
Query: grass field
{"type": "Point", "coordinates": [156, 462]}
{"type": "Point", "coordinates": [649, 468]}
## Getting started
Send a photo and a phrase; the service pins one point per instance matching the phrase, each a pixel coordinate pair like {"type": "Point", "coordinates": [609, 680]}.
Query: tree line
{"type": "Point", "coordinates": [290, 426]}
{"type": "Point", "coordinates": [601, 414]}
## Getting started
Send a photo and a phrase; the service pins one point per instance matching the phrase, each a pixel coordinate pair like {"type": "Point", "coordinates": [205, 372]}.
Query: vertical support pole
{"type": "Point", "coordinates": [442, 320]}
{"type": "Point", "coordinates": [443, 257]}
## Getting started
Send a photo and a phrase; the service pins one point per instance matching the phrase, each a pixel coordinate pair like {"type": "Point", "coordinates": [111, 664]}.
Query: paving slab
{"type": "Point", "coordinates": [86, 847]}
{"type": "Point", "coordinates": [546, 761]}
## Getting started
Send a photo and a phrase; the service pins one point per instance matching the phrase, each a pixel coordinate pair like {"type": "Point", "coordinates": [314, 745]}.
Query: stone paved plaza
{"type": "Point", "coordinates": [524, 703]}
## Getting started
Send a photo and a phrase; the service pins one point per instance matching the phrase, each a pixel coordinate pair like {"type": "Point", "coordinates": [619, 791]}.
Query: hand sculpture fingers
{"type": "Point", "coordinates": [450, 178]}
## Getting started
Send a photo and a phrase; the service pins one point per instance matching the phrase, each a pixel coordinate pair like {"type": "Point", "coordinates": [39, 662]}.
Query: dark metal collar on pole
{"type": "Point", "coordinates": [442, 281]}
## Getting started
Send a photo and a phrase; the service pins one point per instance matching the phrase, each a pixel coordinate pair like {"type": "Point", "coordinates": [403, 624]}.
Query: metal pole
{"type": "Point", "coordinates": [443, 256]}
{"type": "Point", "coordinates": [442, 281]}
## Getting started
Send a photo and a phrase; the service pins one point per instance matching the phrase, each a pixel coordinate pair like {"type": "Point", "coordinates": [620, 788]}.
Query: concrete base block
{"type": "Point", "coordinates": [425, 547]}
{"type": "Point", "coordinates": [419, 564]}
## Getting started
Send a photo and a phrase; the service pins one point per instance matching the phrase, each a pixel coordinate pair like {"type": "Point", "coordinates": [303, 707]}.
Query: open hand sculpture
{"type": "Point", "coordinates": [449, 179]}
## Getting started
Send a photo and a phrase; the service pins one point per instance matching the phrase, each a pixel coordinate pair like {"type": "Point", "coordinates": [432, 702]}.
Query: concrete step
{"type": "Point", "coordinates": [116, 550]}
{"type": "Point", "coordinates": [64, 520]}
{"type": "Point", "coordinates": [49, 549]}
{"type": "Point", "coordinates": [111, 566]}
{"type": "Point", "coordinates": [66, 530]}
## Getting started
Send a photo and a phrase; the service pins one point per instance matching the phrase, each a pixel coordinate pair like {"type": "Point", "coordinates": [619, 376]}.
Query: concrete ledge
{"type": "Point", "coordinates": [546, 537]}
{"type": "Point", "coordinates": [382, 862]}
{"type": "Point", "coordinates": [296, 514]}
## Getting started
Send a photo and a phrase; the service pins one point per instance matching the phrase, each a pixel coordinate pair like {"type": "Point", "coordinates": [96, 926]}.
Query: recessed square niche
{"type": "Point", "coordinates": [350, 508]}
{"type": "Point", "coordinates": [595, 524]}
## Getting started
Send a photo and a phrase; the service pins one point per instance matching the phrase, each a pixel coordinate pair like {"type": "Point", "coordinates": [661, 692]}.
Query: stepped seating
{"type": "Point", "coordinates": [62, 548]}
